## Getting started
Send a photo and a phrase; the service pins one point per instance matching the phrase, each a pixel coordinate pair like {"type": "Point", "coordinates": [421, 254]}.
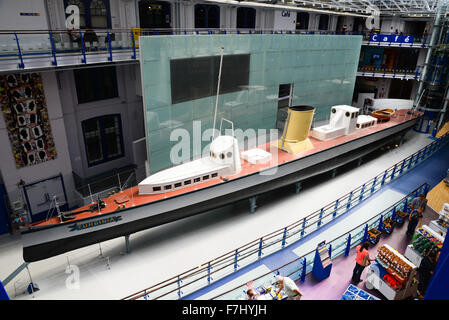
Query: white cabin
{"type": "Point", "coordinates": [343, 121]}
{"type": "Point", "coordinates": [224, 160]}
{"type": "Point", "coordinates": [364, 121]}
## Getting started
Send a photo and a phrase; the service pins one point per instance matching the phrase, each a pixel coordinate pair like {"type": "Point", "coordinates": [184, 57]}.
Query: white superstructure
{"type": "Point", "coordinates": [364, 121]}
{"type": "Point", "coordinates": [343, 121]}
{"type": "Point", "coordinates": [224, 160]}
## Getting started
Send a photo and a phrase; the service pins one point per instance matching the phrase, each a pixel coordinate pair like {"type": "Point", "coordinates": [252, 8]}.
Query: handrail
{"type": "Point", "coordinates": [370, 188]}
{"type": "Point", "coordinates": [365, 35]}
{"type": "Point", "coordinates": [368, 70]}
{"type": "Point", "coordinates": [423, 187]}
{"type": "Point", "coordinates": [55, 47]}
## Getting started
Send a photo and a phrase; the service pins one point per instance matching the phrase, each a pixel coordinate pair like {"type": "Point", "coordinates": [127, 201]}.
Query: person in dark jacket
{"type": "Point", "coordinates": [425, 272]}
{"type": "Point", "coordinates": [419, 202]}
{"type": "Point", "coordinates": [414, 219]}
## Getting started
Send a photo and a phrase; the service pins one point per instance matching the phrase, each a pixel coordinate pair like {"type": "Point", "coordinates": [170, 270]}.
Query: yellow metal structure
{"type": "Point", "coordinates": [296, 130]}
{"type": "Point", "coordinates": [444, 129]}
{"type": "Point", "coordinates": [136, 35]}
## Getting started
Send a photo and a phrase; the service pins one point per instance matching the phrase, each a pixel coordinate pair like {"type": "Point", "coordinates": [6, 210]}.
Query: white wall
{"type": "Point", "coordinates": [127, 104]}
{"type": "Point", "coordinates": [124, 15]}
{"type": "Point", "coordinates": [37, 172]}
{"type": "Point", "coordinates": [361, 99]}
{"type": "Point", "coordinates": [10, 18]}
{"type": "Point", "coordinates": [390, 25]}
{"type": "Point", "coordinates": [284, 20]}
{"type": "Point", "coordinates": [392, 104]}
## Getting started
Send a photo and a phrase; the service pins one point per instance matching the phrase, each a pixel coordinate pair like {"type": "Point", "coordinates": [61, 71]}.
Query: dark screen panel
{"type": "Point", "coordinates": [195, 78]}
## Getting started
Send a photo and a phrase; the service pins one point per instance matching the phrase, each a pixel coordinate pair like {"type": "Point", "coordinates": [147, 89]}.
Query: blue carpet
{"type": "Point", "coordinates": [432, 171]}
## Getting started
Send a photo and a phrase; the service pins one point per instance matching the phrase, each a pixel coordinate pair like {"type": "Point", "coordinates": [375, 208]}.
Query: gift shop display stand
{"type": "Point", "coordinates": [393, 275]}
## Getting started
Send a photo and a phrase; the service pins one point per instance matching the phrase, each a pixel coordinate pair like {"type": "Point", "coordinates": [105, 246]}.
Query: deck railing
{"type": "Point", "coordinates": [300, 267]}
{"type": "Point", "coordinates": [196, 278]}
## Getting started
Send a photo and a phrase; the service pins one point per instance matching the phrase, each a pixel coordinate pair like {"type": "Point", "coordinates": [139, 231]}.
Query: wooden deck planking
{"type": "Point", "coordinates": [438, 196]}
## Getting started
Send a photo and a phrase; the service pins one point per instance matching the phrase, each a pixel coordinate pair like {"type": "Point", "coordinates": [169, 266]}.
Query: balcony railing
{"type": "Point", "coordinates": [41, 49]}
{"type": "Point", "coordinates": [197, 278]}
{"type": "Point", "coordinates": [301, 266]}
{"type": "Point", "coordinates": [28, 50]}
{"type": "Point", "coordinates": [396, 73]}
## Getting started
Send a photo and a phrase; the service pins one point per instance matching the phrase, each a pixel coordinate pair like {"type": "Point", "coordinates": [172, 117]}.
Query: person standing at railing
{"type": "Point", "coordinates": [290, 288]}
{"type": "Point", "coordinates": [417, 207]}
{"type": "Point", "coordinates": [362, 260]}
{"type": "Point", "coordinates": [74, 36]}
{"type": "Point", "coordinates": [414, 219]}
{"type": "Point", "coordinates": [90, 37]}
{"type": "Point", "coordinates": [420, 202]}
{"type": "Point", "coordinates": [252, 295]}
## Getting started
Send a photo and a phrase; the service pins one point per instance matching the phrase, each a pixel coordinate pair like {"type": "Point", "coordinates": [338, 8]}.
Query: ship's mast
{"type": "Point", "coordinates": [218, 91]}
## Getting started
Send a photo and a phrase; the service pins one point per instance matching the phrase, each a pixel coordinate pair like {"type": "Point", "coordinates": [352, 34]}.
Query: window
{"type": "Point", "coordinates": [177, 185]}
{"type": "Point", "coordinates": [214, 175]}
{"type": "Point", "coordinates": [93, 13]}
{"type": "Point", "coordinates": [154, 14]}
{"type": "Point", "coordinates": [206, 177]}
{"type": "Point", "coordinates": [285, 91]}
{"type": "Point", "coordinates": [302, 21]}
{"type": "Point", "coordinates": [103, 139]}
{"type": "Point", "coordinates": [246, 18]}
{"type": "Point", "coordinates": [196, 180]}
{"type": "Point", "coordinates": [168, 187]}
{"type": "Point", "coordinates": [95, 84]}
{"type": "Point", "coordinates": [187, 182]}
{"type": "Point", "coordinates": [156, 189]}
{"type": "Point", "coordinates": [195, 78]}
{"type": "Point", "coordinates": [324, 22]}
{"type": "Point", "coordinates": [98, 14]}
{"type": "Point", "coordinates": [207, 16]}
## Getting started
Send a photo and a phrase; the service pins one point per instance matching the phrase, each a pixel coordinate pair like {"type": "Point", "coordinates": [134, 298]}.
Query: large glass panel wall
{"type": "Point", "coordinates": [322, 69]}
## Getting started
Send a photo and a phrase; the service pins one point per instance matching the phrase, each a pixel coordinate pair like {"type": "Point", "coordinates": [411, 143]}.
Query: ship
{"type": "Point", "coordinates": [224, 176]}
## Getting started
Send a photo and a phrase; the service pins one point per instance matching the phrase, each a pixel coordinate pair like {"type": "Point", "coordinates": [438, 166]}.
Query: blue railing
{"type": "Point", "coordinates": [300, 267]}
{"type": "Point", "coordinates": [23, 48]}
{"type": "Point", "coordinates": [220, 267]}
{"type": "Point", "coordinates": [28, 47]}
{"type": "Point", "coordinates": [395, 72]}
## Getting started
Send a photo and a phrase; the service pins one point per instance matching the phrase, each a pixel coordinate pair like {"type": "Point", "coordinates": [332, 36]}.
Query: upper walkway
{"type": "Point", "coordinates": [49, 49]}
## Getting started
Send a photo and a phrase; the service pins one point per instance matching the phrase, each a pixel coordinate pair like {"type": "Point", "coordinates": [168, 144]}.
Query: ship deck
{"type": "Point", "coordinates": [132, 197]}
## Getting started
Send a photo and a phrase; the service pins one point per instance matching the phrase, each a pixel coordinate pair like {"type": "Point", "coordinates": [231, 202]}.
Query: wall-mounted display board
{"type": "Point", "coordinates": [24, 109]}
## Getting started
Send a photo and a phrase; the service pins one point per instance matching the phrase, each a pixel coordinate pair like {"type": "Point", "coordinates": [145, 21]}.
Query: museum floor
{"type": "Point", "coordinates": [108, 272]}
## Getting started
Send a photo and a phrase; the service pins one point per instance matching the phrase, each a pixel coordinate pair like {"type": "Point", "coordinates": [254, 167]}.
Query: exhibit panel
{"type": "Point", "coordinates": [321, 68]}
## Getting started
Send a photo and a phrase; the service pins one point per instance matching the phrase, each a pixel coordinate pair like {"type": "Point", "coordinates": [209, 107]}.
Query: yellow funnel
{"type": "Point", "coordinates": [296, 130]}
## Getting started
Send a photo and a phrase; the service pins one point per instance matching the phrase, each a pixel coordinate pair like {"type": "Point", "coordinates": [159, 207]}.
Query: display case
{"type": "Point", "coordinates": [268, 292]}
{"type": "Point", "coordinates": [388, 225]}
{"type": "Point", "coordinates": [322, 264]}
{"type": "Point", "coordinates": [400, 217]}
{"type": "Point", "coordinates": [442, 223]}
{"type": "Point", "coordinates": [393, 275]}
{"type": "Point", "coordinates": [424, 242]}
{"type": "Point", "coordinates": [374, 236]}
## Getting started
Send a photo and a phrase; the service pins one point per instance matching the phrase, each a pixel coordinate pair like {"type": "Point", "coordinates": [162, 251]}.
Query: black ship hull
{"type": "Point", "coordinates": [49, 241]}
